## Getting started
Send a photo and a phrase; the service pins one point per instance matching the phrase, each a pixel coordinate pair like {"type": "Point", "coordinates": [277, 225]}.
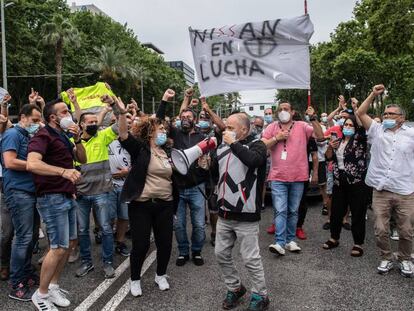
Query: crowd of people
{"type": "Point", "coordinates": [59, 165]}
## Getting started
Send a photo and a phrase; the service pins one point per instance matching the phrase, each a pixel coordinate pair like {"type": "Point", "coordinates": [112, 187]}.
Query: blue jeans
{"type": "Point", "coordinates": [118, 210]}
{"type": "Point", "coordinates": [195, 200]}
{"type": "Point", "coordinates": [286, 199]}
{"type": "Point", "coordinates": [58, 213]}
{"type": "Point", "coordinates": [25, 219]}
{"type": "Point", "coordinates": [103, 214]}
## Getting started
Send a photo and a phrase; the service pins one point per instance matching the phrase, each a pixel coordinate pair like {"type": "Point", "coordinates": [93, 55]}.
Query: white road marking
{"type": "Point", "coordinates": [124, 290]}
{"type": "Point", "coordinates": [91, 299]}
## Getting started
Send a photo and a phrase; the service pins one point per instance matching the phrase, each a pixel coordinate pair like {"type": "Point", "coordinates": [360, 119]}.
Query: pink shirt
{"type": "Point", "coordinates": [295, 167]}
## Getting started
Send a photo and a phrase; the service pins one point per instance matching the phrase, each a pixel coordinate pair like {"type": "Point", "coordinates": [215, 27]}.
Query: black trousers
{"type": "Point", "coordinates": [142, 218]}
{"type": "Point", "coordinates": [354, 196]}
{"type": "Point", "coordinates": [303, 207]}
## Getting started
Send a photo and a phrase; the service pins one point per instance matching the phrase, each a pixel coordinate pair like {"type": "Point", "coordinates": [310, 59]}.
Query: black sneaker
{"type": "Point", "coordinates": [122, 249]}
{"type": "Point", "coordinates": [197, 259]}
{"type": "Point", "coordinates": [233, 298]}
{"type": "Point", "coordinates": [324, 210]}
{"type": "Point", "coordinates": [84, 269]}
{"type": "Point", "coordinates": [258, 303]}
{"type": "Point", "coordinates": [213, 239]}
{"type": "Point", "coordinates": [181, 260]}
{"type": "Point", "coordinates": [98, 235]}
{"type": "Point", "coordinates": [21, 292]}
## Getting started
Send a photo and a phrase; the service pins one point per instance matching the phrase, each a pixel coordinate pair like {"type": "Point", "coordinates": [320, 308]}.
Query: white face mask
{"type": "Point", "coordinates": [284, 116]}
{"type": "Point", "coordinates": [66, 122]}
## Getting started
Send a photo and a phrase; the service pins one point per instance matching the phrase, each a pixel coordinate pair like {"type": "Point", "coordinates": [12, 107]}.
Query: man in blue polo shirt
{"type": "Point", "coordinates": [19, 191]}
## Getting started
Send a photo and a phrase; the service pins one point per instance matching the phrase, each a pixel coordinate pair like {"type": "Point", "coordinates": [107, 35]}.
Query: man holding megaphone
{"type": "Point", "coordinates": [241, 165]}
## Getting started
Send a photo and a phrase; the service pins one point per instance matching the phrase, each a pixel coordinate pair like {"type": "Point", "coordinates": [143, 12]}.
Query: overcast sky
{"type": "Point", "coordinates": [165, 22]}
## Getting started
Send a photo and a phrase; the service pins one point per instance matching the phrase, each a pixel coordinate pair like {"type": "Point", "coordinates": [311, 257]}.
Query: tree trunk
{"type": "Point", "coordinates": [58, 58]}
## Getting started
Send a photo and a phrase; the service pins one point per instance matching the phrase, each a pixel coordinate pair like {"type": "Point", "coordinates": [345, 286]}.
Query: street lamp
{"type": "Point", "coordinates": [3, 41]}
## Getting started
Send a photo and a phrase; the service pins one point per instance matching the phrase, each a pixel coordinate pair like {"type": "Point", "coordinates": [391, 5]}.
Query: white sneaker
{"type": "Point", "coordinates": [43, 304]}
{"type": "Point", "coordinates": [136, 288]}
{"type": "Point", "coordinates": [41, 234]}
{"type": "Point", "coordinates": [384, 267]}
{"type": "Point", "coordinates": [162, 282]}
{"type": "Point", "coordinates": [277, 249]}
{"type": "Point", "coordinates": [58, 296]}
{"type": "Point", "coordinates": [394, 235]}
{"type": "Point", "coordinates": [293, 247]}
{"type": "Point", "coordinates": [406, 268]}
{"type": "Point", "coordinates": [412, 257]}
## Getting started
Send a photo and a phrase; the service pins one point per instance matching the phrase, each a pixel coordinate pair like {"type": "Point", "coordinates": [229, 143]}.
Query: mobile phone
{"type": "Point", "coordinates": [334, 135]}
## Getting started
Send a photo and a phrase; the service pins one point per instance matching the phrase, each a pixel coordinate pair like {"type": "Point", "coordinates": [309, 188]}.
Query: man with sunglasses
{"type": "Point", "coordinates": [390, 173]}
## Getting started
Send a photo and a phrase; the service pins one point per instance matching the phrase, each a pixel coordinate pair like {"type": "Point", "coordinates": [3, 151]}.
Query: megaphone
{"type": "Point", "coordinates": [182, 159]}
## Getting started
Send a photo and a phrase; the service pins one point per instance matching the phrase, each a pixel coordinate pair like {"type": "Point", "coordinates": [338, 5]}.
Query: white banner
{"type": "Point", "coordinates": [251, 56]}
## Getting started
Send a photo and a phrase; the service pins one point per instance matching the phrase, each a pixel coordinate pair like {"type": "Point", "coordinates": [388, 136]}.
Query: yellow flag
{"type": "Point", "coordinates": [89, 96]}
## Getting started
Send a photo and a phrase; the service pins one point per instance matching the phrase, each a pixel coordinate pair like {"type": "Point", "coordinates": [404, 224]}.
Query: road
{"type": "Point", "coordinates": [315, 279]}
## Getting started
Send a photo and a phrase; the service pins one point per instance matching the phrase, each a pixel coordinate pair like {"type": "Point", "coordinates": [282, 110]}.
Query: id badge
{"type": "Point", "coordinates": [284, 155]}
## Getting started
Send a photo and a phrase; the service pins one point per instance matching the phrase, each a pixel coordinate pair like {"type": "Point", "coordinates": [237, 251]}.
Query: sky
{"type": "Point", "coordinates": [165, 22]}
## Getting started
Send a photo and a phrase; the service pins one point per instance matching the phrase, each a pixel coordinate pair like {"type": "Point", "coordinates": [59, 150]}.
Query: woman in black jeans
{"type": "Point", "coordinates": [150, 192]}
{"type": "Point", "coordinates": [350, 166]}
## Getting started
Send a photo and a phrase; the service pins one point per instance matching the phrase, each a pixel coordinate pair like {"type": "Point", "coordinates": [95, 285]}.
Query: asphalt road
{"type": "Point", "coordinates": [315, 279]}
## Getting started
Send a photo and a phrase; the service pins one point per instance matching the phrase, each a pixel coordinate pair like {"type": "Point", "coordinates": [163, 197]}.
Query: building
{"type": "Point", "coordinates": [257, 109]}
{"type": "Point", "coordinates": [87, 7]}
{"type": "Point", "coordinates": [187, 70]}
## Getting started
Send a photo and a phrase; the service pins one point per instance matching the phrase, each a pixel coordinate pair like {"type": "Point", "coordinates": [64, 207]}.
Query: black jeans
{"type": "Point", "coordinates": [144, 216]}
{"type": "Point", "coordinates": [303, 207]}
{"type": "Point", "coordinates": [355, 197]}
{"type": "Point", "coordinates": [6, 234]}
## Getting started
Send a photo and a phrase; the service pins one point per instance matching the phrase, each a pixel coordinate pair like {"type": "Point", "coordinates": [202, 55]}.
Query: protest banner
{"type": "Point", "coordinates": [252, 56]}
{"type": "Point", "coordinates": [88, 97]}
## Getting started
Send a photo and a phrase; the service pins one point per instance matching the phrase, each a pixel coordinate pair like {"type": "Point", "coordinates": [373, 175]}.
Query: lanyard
{"type": "Point", "coordinates": [290, 128]}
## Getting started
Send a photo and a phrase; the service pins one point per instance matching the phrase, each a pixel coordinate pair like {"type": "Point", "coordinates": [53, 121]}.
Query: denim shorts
{"type": "Point", "coordinates": [58, 212]}
{"type": "Point", "coordinates": [329, 182]}
{"type": "Point", "coordinates": [118, 210]}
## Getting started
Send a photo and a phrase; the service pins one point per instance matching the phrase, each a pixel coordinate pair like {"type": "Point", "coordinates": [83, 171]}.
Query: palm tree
{"type": "Point", "coordinates": [57, 33]}
{"type": "Point", "coordinates": [112, 64]}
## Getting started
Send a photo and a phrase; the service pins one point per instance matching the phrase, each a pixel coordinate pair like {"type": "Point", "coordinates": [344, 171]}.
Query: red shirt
{"type": "Point", "coordinates": [56, 150]}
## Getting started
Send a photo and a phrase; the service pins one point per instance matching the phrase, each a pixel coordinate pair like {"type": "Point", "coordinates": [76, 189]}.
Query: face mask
{"type": "Point", "coordinates": [232, 134]}
{"type": "Point", "coordinates": [324, 119]}
{"type": "Point", "coordinates": [203, 124]}
{"type": "Point", "coordinates": [65, 122]}
{"type": "Point", "coordinates": [92, 129]}
{"type": "Point", "coordinates": [389, 123]}
{"type": "Point", "coordinates": [178, 123]}
{"type": "Point", "coordinates": [268, 119]}
{"type": "Point", "coordinates": [307, 119]}
{"type": "Point", "coordinates": [259, 130]}
{"type": "Point", "coordinates": [33, 128]}
{"type": "Point", "coordinates": [161, 139]}
{"type": "Point", "coordinates": [186, 125]}
{"type": "Point", "coordinates": [284, 116]}
{"type": "Point", "coordinates": [348, 132]}
{"type": "Point", "coordinates": [340, 122]}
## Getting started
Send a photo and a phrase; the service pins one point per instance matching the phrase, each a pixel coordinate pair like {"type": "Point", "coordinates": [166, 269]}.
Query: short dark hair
{"type": "Point", "coordinates": [27, 110]}
{"type": "Point", "coordinates": [50, 108]}
{"type": "Point", "coordinates": [83, 115]}
{"type": "Point", "coordinates": [190, 110]}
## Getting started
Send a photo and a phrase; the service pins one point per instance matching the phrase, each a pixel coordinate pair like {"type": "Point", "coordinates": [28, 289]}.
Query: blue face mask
{"type": "Point", "coordinates": [178, 123]}
{"type": "Point", "coordinates": [203, 124]}
{"type": "Point", "coordinates": [324, 119]}
{"type": "Point", "coordinates": [33, 128]}
{"type": "Point", "coordinates": [268, 119]}
{"type": "Point", "coordinates": [340, 122]}
{"type": "Point", "coordinates": [389, 123]}
{"type": "Point", "coordinates": [348, 131]}
{"type": "Point", "coordinates": [161, 139]}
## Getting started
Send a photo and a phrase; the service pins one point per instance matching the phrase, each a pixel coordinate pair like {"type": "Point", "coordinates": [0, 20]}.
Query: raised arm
{"type": "Point", "coordinates": [168, 96]}
{"type": "Point", "coordinates": [187, 98]}
{"type": "Point", "coordinates": [214, 117]}
{"type": "Point", "coordinates": [122, 120]}
{"type": "Point", "coordinates": [317, 129]}
{"type": "Point", "coordinates": [362, 111]}
{"type": "Point", "coordinates": [74, 101]}
{"type": "Point", "coordinates": [354, 102]}
{"type": "Point", "coordinates": [4, 116]}
{"type": "Point", "coordinates": [341, 106]}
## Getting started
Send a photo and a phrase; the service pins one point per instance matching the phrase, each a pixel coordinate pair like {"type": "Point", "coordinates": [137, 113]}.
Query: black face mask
{"type": "Point", "coordinates": [186, 125]}
{"type": "Point", "coordinates": [92, 129]}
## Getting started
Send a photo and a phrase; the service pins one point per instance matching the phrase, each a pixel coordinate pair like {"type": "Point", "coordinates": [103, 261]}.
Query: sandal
{"type": "Point", "coordinates": [330, 244]}
{"type": "Point", "coordinates": [357, 251]}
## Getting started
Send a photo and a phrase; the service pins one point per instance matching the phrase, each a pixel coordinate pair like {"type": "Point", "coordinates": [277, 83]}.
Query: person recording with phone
{"type": "Point", "coordinates": [349, 155]}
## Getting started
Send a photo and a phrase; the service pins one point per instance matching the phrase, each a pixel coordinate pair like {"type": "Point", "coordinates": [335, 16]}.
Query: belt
{"type": "Point", "coordinates": [154, 201]}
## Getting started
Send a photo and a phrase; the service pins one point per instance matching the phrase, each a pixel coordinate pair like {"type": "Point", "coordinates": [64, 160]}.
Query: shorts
{"type": "Point", "coordinates": [58, 213]}
{"type": "Point", "coordinates": [322, 173]}
{"type": "Point", "coordinates": [329, 182]}
{"type": "Point", "coordinates": [118, 210]}
{"type": "Point", "coordinates": [212, 200]}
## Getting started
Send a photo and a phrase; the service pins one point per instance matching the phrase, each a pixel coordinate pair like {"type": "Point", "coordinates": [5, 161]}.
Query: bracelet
{"type": "Point", "coordinates": [78, 141]}
{"type": "Point", "coordinates": [63, 172]}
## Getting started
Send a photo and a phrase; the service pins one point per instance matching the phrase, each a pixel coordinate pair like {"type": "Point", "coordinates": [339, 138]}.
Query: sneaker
{"type": "Point", "coordinates": [258, 303]}
{"type": "Point", "coordinates": [271, 229]}
{"type": "Point", "coordinates": [394, 235]}
{"type": "Point", "coordinates": [181, 260]}
{"type": "Point", "coordinates": [213, 239]}
{"type": "Point", "coordinates": [197, 259]}
{"type": "Point", "coordinates": [136, 288]}
{"type": "Point", "coordinates": [4, 273]}
{"type": "Point", "coordinates": [43, 304]}
{"type": "Point", "coordinates": [74, 255]}
{"type": "Point", "coordinates": [58, 296]}
{"type": "Point", "coordinates": [293, 247]}
{"type": "Point", "coordinates": [385, 267]}
{"type": "Point", "coordinates": [41, 234]}
{"type": "Point", "coordinates": [277, 249]}
{"type": "Point", "coordinates": [300, 233]}
{"type": "Point", "coordinates": [412, 257]}
{"type": "Point", "coordinates": [162, 282]}
{"type": "Point", "coordinates": [98, 235]}
{"type": "Point", "coordinates": [33, 280]}
{"type": "Point", "coordinates": [84, 269]}
{"type": "Point", "coordinates": [122, 249]}
{"type": "Point", "coordinates": [406, 269]}
{"type": "Point", "coordinates": [324, 210]}
{"type": "Point", "coordinates": [21, 292]}
{"type": "Point", "coordinates": [326, 226]}
{"type": "Point", "coordinates": [109, 270]}
{"type": "Point", "coordinates": [233, 298]}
